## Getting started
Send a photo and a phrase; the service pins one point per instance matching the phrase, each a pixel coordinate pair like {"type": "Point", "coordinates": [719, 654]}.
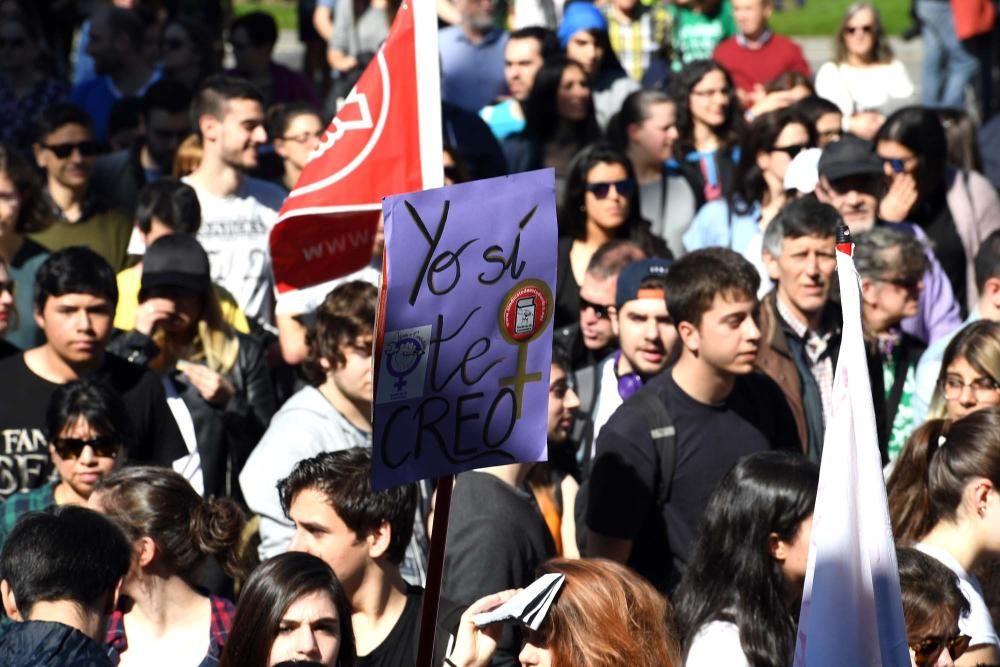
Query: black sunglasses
{"type": "Point", "coordinates": [8, 286]}
{"type": "Point", "coordinates": [71, 448]}
{"type": "Point", "coordinates": [63, 151]}
{"type": "Point", "coordinates": [792, 150]}
{"type": "Point", "coordinates": [868, 29]}
{"type": "Point", "coordinates": [603, 312]}
{"type": "Point", "coordinates": [926, 651]}
{"type": "Point", "coordinates": [603, 189]}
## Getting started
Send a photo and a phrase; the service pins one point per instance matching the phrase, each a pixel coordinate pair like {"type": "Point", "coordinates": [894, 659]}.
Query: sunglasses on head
{"type": "Point", "coordinates": [63, 151]}
{"type": "Point", "coordinates": [867, 29]}
{"type": "Point", "coordinates": [602, 189]}
{"type": "Point", "coordinates": [602, 312]}
{"type": "Point", "coordinates": [926, 651]}
{"type": "Point", "coordinates": [72, 448]}
{"type": "Point", "coordinates": [792, 151]}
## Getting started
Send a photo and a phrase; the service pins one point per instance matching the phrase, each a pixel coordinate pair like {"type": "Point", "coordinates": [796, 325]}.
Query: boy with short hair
{"type": "Point", "coordinates": [662, 453]}
{"type": "Point", "coordinates": [75, 297]}
{"type": "Point", "coordinates": [362, 535]}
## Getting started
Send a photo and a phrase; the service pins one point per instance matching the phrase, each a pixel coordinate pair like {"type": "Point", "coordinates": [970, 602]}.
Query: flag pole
{"type": "Point", "coordinates": [435, 569]}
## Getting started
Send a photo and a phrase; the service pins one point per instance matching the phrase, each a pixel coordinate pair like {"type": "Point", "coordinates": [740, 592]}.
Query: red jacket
{"type": "Point", "coordinates": [750, 67]}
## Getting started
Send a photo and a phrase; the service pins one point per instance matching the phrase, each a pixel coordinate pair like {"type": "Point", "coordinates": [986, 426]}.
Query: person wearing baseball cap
{"type": "Point", "coordinates": [852, 179]}
{"type": "Point", "coordinates": [645, 334]}
{"type": "Point", "coordinates": [216, 377]}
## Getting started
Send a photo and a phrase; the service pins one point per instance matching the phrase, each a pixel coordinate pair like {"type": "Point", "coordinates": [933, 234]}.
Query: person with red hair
{"type": "Point", "coordinates": [604, 615]}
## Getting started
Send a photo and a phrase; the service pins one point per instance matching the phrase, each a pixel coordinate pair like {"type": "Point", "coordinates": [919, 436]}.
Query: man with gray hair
{"type": "Point", "coordinates": [800, 327]}
{"type": "Point", "coordinates": [892, 265]}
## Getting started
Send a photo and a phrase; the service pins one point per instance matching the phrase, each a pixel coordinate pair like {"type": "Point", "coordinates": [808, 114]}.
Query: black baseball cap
{"type": "Point", "coordinates": [632, 276]}
{"type": "Point", "coordinates": [176, 260]}
{"type": "Point", "coordinates": [850, 156]}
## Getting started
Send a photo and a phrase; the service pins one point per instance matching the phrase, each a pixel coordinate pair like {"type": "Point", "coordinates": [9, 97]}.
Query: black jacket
{"type": "Point", "coordinates": [48, 644]}
{"type": "Point", "coordinates": [910, 349]}
{"type": "Point", "coordinates": [226, 435]}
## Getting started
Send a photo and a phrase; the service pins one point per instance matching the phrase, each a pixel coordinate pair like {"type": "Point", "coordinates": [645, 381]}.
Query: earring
{"type": "Point", "coordinates": [982, 512]}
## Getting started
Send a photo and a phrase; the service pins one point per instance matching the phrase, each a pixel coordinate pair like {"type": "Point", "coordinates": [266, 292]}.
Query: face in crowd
{"type": "Point", "coordinates": [309, 630]}
{"type": "Point", "coordinates": [77, 326]}
{"type": "Point", "coordinates": [522, 59]}
{"type": "Point", "coordinates": [563, 403]}
{"type": "Point", "coordinates": [67, 155]}
{"type": "Point", "coordinates": [804, 273]}
{"type": "Point", "coordinates": [855, 198]}
{"type": "Point", "coordinates": [238, 134]}
{"type": "Point", "coordinates": [727, 338]}
{"type": "Point", "coordinates": [646, 334]}
{"type": "Point", "coordinates": [597, 307]}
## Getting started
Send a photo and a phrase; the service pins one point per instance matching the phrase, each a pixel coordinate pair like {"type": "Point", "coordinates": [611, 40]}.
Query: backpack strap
{"type": "Point", "coordinates": [664, 436]}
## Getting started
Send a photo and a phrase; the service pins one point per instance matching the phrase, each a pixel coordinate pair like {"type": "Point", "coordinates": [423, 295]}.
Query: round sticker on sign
{"type": "Point", "coordinates": [525, 311]}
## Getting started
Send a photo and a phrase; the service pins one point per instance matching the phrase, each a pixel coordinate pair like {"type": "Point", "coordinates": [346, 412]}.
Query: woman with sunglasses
{"type": "Point", "coordinates": [738, 220]}
{"type": "Point", "coordinates": [944, 499]}
{"type": "Point", "coordinates": [967, 380]}
{"type": "Point", "coordinates": [559, 120]}
{"type": "Point", "coordinates": [864, 79]}
{"type": "Point", "coordinates": [932, 606]}
{"type": "Point", "coordinates": [87, 429]}
{"type": "Point", "coordinates": [710, 127]}
{"type": "Point", "coordinates": [295, 130]}
{"type": "Point", "coordinates": [600, 203]}
{"type": "Point", "coordinates": [23, 210]}
{"type": "Point", "coordinates": [956, 209]}
{"type": "Point", "coordinates": [25, 87]}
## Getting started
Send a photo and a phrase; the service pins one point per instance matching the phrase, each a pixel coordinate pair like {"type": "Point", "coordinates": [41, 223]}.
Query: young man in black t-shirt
{"type": "Point", "coordinates": [720, 411]}
{"type": "Point", "coordinates": [362, 535]}
{"type": "Point", "coordinates": [75, 297]}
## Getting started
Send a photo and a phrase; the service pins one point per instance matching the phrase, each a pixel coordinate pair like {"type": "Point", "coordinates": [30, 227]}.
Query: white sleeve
{"type": "Point", "coordinates": [717, 643]}
{"type": "Point", "coordinates": [978, 624]}
{"type": "Point", "coordinates": [830, 85]}
{"type": "Point", "coordinates": [900, 87]}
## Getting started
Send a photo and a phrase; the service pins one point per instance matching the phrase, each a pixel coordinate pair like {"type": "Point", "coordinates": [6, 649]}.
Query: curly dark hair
{"type": "Point", "coordinates": [346, 314]}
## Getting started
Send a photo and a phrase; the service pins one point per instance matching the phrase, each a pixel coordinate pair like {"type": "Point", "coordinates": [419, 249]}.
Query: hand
{"type": "Point", "coordinates": [212, 386]}
{"type": "Point", "coordinates": [149, 315]}
{"type": "Point", "coordinates": [899, 201]}
{"type": "Point", "coordinates": [766, 102]}
{"type": "Point", "coordinates": [474, 646]}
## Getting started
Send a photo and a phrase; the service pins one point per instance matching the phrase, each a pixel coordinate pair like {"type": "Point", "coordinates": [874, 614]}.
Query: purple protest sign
{"type": "Point", "coordinates": [464, 338]}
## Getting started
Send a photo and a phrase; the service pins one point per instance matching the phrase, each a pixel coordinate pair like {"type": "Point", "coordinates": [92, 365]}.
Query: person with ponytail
{"type": "Point", "coordinates": [756, 529]}
{"type": "Point", "coordinates": [162, 617]}
{"type": "Point", "coordinates": [944, 500]}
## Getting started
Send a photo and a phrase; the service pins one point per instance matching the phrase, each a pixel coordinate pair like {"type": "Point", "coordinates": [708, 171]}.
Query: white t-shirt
{"type": "Point", "coordinates": [189, 467]}
{"type": "Point", "coordinates": [234, 232]}
{"type": "Point", "coordinates": [716, 643]}
{"type": "Point", "coordinates": [882, 88]}
{"type": "Point", "coordinates": [978, 624]}
{"type": "Point", "coordinates": [608, 399]}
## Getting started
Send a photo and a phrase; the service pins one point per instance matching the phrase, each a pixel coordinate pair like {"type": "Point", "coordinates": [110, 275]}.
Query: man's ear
{"type": "Point", "coordinates": [688, 333]}
{"type": "Point", "coordinates": [208, 126]}
{"type": "Point", "coordinates": [991, 291]}
{"type": "Point", "coordinates": [9, 603]}
{"type": "Point", "coordinates": [771, 262]}
{"type": "Point", "coordinates": [39, 319]}
{"type": "Point", "coordinates": [379, 539]}
{"type": "Point", "coordinates": [867, 291]}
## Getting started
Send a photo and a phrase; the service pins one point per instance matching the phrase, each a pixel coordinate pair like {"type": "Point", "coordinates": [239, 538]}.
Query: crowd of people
{"type": "Point", "coordinates": [185, 467]}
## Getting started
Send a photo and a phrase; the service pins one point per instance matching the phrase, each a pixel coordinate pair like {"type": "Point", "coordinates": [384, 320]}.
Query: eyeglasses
{"type": "Point", "coordinates": [927, 650]}
{"type": "Point", "coordinates": [8, 286]}
{"type": "Point", "coordinates": [853, 29]}
{"type": "Point", "coordinates": [72, 448]}
{"type": "Point", "coordinates": [601, 312]}
{"type": "Point", "coordinates": [983, 389]}
{"type": "Point", "coordinates": [63, 151]}
{"type": "Point", "coordinates": [602, 189]}
{"type": "Point", "coordinates": [304, 137]}
{"type": "Point", "coordinates": [792, 151]}
{"type": "Point", "coordinates": [724, 92]}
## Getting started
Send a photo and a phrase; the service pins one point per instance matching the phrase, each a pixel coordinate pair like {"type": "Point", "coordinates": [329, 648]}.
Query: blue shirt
{"type": "Point", "coordinates": [501, 119]}
{"type": "Point", "coordinates": [471, 74]}
{"type": "Point", "coordinates": [98, 95]}
{"type": "Point", "coordinates": [714, 225]}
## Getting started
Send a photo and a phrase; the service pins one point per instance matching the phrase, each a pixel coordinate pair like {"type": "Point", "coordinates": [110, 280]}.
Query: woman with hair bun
{"type": "Point", "coordinates": [605, 615]}
{"type": "Point", "coordinates": [162, 617]}
{"type": "Point", "coordinates": [944, 500]}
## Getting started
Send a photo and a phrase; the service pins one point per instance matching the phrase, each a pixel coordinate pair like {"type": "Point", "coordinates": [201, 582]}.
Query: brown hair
{"type": "Point", "coordinates": [881, 51]}
{"type": "Point", "coordinates": [932, 471]}
{"type": "Point", "coordinates": [35, 215]}
{"type": "Point", "coordinates": [929, 591]}
{"type": "Point", "coordinates": [977, 343]}
{"type": "Point", "coordinates": [695, 279]}
{"type": "Point", "coordinates": [158, 503]}
{"type": "Point", "coordinates": [346, 314]}
{"type": "Point", "coordinates": [605, 616]}
{"type": "Point", "coordinates": [188, 157]}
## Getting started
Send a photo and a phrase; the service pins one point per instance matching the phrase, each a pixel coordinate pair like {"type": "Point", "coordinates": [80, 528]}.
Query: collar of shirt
{"type": "Point", "coordinates": [816, 342]}
{"type": "Point", "coordinates": [91, 205]}
{"type": "Point", "coordinates": [493, 35]}
{"type": "Point", "coordinates": [743, 41]}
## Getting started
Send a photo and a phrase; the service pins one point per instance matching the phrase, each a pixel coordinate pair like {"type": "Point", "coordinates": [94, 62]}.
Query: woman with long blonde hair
{"type": "Point", "coordinates": [216, 380]}
{"type": "Point", "coordinates": [970, 370]}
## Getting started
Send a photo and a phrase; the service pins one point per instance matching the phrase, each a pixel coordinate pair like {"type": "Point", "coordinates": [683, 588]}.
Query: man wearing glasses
{"type": "Point", "coordinates": [852, 179]}
{"type": "Point", "coordinates": [65, 149]}
{"type": "Point", "coordinates": [892, 265]}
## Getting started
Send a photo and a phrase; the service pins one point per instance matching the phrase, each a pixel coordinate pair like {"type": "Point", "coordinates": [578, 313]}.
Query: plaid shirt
{"type": "Point", "coordinates": [222, 620]}
{"type": "Point", "coordinates": [636, 42]}
{"type": "Point", "coordinates": [817, 351]}
{"type": "Point", "coordinates": [20, 504]}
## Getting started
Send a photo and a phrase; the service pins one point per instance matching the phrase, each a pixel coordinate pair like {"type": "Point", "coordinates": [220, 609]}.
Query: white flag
{"type": "Point", "coordinates": [851, 610]}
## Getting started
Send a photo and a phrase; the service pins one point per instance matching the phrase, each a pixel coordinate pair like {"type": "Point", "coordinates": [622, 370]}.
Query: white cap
{"type": "Point", "coordinates": [802, 173]}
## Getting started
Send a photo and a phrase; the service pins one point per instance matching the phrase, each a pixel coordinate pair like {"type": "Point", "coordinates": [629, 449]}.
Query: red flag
{"type": "Point", "coordinates": [386, 139]}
